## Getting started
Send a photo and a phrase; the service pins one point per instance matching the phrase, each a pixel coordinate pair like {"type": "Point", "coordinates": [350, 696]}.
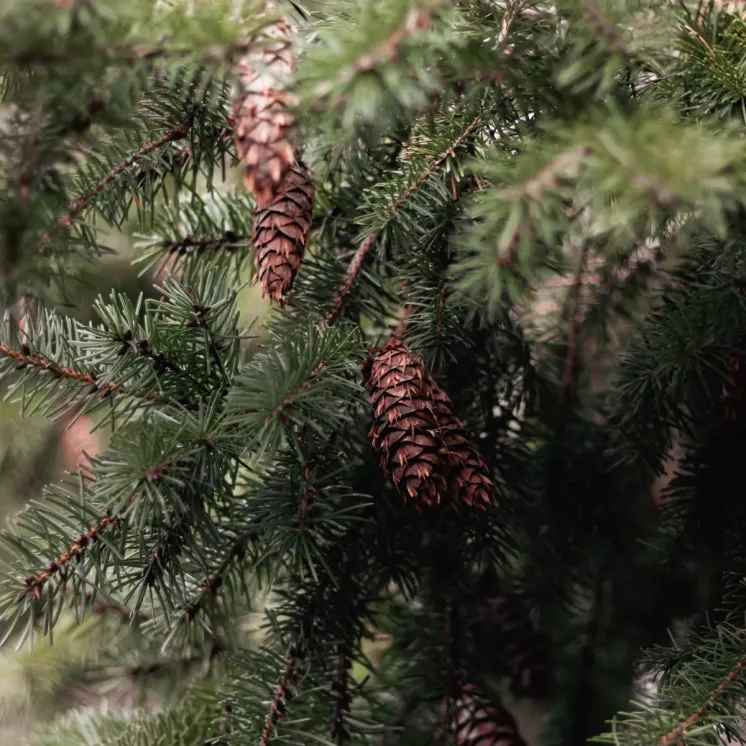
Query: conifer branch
{"type": "Point", "coordinates": [25, 358]}
{"type": "Point", "coordinates": [179, 132]}
{"type": "Point", "coordinates": [338, 732]}
{"type": "Point", "coordinates": [128, 54]}
{"type": "Point", "coordinates": [103, 606]}
{"type": "Point", "coordinates": [363, 250]}
{"type": "Point", "coordinates": [34, 584]}
{"type": "Point", "coordinates": [225, 242]}
{"type": "Point", "coordinates": [570, 365]}
{"type": "Point", "coordinates": [416, 21]}
{"type": "Point", "coordinates": [77, 206]}
{"type": "Point", "coordinates": [214, 582]}
{"type": "Point", "coordinates": [677, 733]}
{"type": "Point", "coordinates": [306, 504]}
{"type": "Point", "coordinates": [281, 696]}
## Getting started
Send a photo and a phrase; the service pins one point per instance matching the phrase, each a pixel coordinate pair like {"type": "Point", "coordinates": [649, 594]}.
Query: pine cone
{"type": "Point", "coordinates": [263, 122]}
{"type": "Point", "coordinates": [476, 721]}
{"type": "Point", "coordinates": [468, 476]}
{"type": "Point", "coordinates": [280, 232]}
{"type": "Point", "coordinates": [504, 625]}
{"type": "Point", "coordinates": [404, 430]}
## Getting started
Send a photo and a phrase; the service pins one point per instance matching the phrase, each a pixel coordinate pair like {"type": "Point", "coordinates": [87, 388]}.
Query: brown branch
{"type": "Point", "coordinates": [177, 133]}
{"type": "Point", "coordinates": [306, 509]}
{"type": "Point", "coordinates": [76, 207]}
{"type": "Point", "coordinates": [227, 241]}
{"type": "Point", "coordinates": [407, 709]}
{"type": "Point", "coordinates": [681, 729]}
{"type": "Point", "coordinates": [338, 733]}
{"type": "Point", "coordinates": [103, 606]}
{"type": "Point", "coordinates": [570, 368]}
{"type": "Point", "coordinates": [214, 582]}
{"type": "Point", "coordinates": [34, 584]}
{"type": "Point", "coordinates": [387, 51]}
{"type": "Point", "coordinates": [127, 54]}
{"type": "Point", "coordinates": [441, 304]}
{"type": "Point", "coordinates": [351, 277]}
{"type": "Point", "coordinates": [25, 358]}
{"type": "Point", "coordinates": [363, 250]}
{"type": "Point", "coordinates": [277, 708]}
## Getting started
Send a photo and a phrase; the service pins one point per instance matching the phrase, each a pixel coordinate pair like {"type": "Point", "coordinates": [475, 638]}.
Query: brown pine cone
{"type": "Point", "coordinates": [263, 122]}
{"type": "Point", "coordinates": [280, 232]}
{"type": "Point", "coordinates": [503, 624]}
{"type": "Point", "coordinates": [404, 429]}
{"type": "Point", "coordinates": [468, 476]}
{"type": "Point", "coordinates": [477, 721]}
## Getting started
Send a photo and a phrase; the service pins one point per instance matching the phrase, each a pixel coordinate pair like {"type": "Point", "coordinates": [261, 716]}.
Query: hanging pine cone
{"type": "Point", "coordinates": [477, 721]}
{"type": "Point", "coordinates": [468, 476]}
{"type": "Point", "coordinates": [404, 429]}
{"type": "Point", "coordinates": [280, 232]}
{"type": "Point", "coordinates": [263, 122]}
{"type": "Point", "coordinates": [502, 624]}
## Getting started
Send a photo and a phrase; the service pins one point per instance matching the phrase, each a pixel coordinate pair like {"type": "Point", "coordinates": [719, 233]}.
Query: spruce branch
{"type": "Point", "coordinates": [25, 358]}
{"type": "Point", "coordinates": [127, 55]}
{"type": "Point", "coordinates": [77, 206]}
{"type": "Point", "coordinates": [569, 372]}
{"type": "Point", "coordinates": [338, 733]}
{"type": "Point", "coordinates": [415, 22]}
{"type": "Point", "coordinates": [34, 584]}
{"type": "Point", "coordinates": [281, 695]}
{"type": "Point", "coordinates": [212, 584]}
{"type": "Point", "coordinates": [365, 246]}
{"type": "Point", "coordinates": [679, 732]}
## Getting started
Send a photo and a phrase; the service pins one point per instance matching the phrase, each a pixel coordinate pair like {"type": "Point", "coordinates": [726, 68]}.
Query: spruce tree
{"type": "Point", "coordinates": [474, 477]}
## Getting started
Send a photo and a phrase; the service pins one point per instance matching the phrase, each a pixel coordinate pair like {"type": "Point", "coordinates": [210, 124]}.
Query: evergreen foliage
{"type": "Point", "coordinates": [474, 477]}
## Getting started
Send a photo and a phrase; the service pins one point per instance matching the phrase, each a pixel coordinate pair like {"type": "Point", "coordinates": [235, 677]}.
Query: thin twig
{"type": "Point", "coordinates": [214, 582]}
{"type": "Point", "coordinates": [127, 54]}
{"type": "Point", "coordinates": [277, 708]}
{"type": "Point", "coordinates": [408, 707]}
{"type": "Point", "coordinates": [358, 259]}
{"type": "Point", "coordinates": [34, 584]}
{"type": "Point", "coordinates": [338, 733]}
{"type": "Point", "coordinates": [570, 368]}
{"type": "Point", "coordinates": [305, 510]}
{"type": "Point", "coordinates": [681, 729]}
{"type": "Point", "coordinates": [76, 207]}
{"type": "Point", "coordinates": [415, 22]}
